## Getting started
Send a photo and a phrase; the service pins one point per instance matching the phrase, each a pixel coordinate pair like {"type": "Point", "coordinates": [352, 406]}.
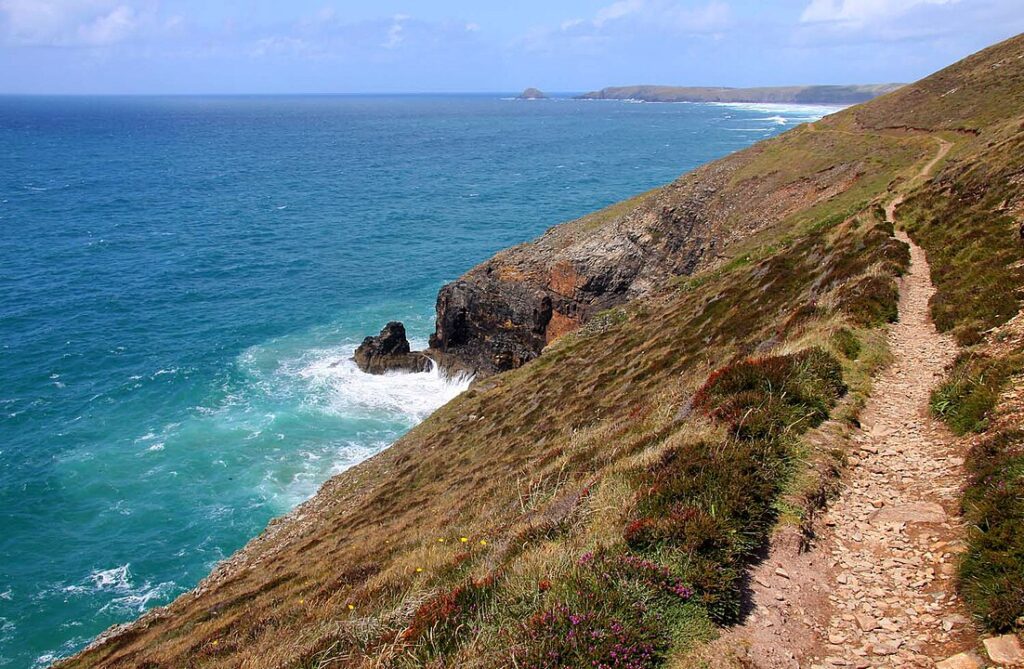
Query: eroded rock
{"type": "Point", "coordinates": [390, 352]}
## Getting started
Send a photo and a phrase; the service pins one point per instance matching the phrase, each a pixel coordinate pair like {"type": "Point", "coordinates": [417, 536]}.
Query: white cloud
{"type": "Point", "coordinates": [118, 25]}
{"type": "Point", "coordinates": [861, 12]}
{"type": "Point", "coordinates": [661, 14]}
{"type": "Point", "coordinates": [618, 10]}
{"type": "Point", "coordinates": [67, 23]}
{"type": "Point", "coordinates": [395, 36]}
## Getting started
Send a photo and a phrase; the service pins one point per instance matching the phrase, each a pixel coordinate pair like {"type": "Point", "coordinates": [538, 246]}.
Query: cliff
{"type": "Point", "coordinates": [601, 503]}
{"type": "Point", "coordinates": [502, 313]}
{"type": "Point", "coordinates": [830, 95]}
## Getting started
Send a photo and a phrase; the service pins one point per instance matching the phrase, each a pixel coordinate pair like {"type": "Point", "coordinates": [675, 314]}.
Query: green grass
{"type": "Point", "coordinates": [974, 245]}
{"type": "Point", "coordinates": [970, 392]}
{"type": "Point", "coordinates": [992, 572]}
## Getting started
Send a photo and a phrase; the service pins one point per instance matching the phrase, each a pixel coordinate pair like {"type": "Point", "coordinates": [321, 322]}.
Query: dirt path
{"type": "Point", "coordinates": [877, 589]}
{"type": "Point", "coordinates": [896, 532]}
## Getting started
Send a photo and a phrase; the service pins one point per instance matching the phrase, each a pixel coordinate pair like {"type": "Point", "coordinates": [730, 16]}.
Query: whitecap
{"type": "Point", "coordinates": [138, 600]}
{"type": "Point", "coordinates": [116, 578]}
{"type": "Point", "coordinates": [343, 389]}
{"type": "Point", "coordinates": [784, 109]}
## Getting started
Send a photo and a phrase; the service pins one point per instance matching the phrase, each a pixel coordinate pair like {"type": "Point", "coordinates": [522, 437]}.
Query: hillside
{"type": "Point", "coordinates": [830, 95]}
{"type": "Point", "coordinates": [682, 378]}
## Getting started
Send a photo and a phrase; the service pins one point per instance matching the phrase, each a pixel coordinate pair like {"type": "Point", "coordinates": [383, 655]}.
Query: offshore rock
{"type": "Point", "coordinates": [533, 94]}
{"type": "Point", "coordinates": [390, 352]}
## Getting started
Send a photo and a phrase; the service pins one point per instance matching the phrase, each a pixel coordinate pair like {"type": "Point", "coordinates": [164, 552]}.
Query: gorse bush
{"type": "Point", "coordinates": [992, 572]}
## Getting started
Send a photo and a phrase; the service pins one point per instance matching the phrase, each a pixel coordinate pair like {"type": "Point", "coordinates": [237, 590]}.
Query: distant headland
{"type": "Point", "coordinates": [839, 95]}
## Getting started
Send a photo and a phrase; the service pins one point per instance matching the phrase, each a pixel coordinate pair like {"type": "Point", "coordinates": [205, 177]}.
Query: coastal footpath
{"type": "Point", "coordinates": [703, 416]}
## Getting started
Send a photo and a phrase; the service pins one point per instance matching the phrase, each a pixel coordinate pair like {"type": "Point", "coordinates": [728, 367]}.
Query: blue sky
{"type": "Point", "coordinates": [342, 46]}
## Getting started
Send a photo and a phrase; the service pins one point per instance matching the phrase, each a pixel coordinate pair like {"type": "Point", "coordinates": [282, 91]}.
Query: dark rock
{"type": "Point", "coordinates": [390, 352]}
{"type": "Point", "coordinates": [504, 312]}
{"type": "Point", "coordinates": [532, 94]}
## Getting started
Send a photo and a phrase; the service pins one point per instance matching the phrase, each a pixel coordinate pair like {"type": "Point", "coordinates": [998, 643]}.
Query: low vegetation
{"type": "Point", "coordinates": [992, 572]}
{"type": "Point", "coordinates": [966, 398]}
{"type": "Point", "coordinates": [651, 456]}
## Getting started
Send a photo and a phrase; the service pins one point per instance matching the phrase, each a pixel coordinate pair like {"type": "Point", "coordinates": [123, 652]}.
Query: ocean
{"type": "Point", "coordinates": [184, 279]}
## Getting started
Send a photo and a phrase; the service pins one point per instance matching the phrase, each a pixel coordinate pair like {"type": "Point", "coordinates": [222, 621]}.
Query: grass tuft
{"type": "Point", "coordinates": [971, 390]}
{"type": "Point", "coordinates": [991, 578]}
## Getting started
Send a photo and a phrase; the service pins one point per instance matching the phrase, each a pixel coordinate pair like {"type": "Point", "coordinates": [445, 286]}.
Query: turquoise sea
{"type": "Point", "coordinates": [183, 279]}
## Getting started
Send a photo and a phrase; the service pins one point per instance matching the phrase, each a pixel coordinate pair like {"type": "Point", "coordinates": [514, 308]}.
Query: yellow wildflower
{"type": "Point", "coordinates": [463, 539]}
{"type": "Point", "coordinates": [483, 542]}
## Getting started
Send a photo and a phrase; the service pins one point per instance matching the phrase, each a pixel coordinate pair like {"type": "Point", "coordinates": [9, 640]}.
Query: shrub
{"type": "Point", "coordinates": [991, 578]}
{"type": "Point", "coordinates": [764, 397]}
{"type": "Point", "coordinates": [705, 507]}
{"type": "Point", "coordinates": [871, 301]}
{"type": "Point", "coordinates": [439, 622]}
{"type": "Point", "coordinates": [611, 614]}
{"type": "Point", "coordinates": [564, 637]}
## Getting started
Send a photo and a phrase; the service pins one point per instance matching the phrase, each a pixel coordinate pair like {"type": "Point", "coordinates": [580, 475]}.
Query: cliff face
{"type": "Point", "coordinates": [502, 313]}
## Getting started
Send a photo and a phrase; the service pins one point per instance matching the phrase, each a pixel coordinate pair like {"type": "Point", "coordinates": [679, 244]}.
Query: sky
{"type": "Point", "coordinates": [391, 46]}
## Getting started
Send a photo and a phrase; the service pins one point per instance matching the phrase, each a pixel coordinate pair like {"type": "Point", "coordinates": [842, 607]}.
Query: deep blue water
{"type": "Point", "coordinates": [179, 278]}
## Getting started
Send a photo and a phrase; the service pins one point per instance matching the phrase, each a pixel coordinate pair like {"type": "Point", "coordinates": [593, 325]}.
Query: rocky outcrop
{"type": "Point", "coordinates": [533, 94]}
{"type": "Point", "coordinates": [390, 352]}
{"type": "Point", "coordinates": [502, 313]}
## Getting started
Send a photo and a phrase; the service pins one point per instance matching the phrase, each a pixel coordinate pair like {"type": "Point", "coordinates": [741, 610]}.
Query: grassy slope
{"type": "Point", "coordinates": [615, 486]}
{"type": "Point", "coordinates": [969, 219]}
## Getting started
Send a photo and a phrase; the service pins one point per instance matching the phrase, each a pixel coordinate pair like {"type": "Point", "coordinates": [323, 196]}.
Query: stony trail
{"type": "Point", "coordinates": [877, 589]}
{"type": "Point", "coordinates": [895, 530]}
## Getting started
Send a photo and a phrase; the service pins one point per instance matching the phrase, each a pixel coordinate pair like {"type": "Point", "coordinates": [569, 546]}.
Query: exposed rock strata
{"type": "Point", "coordinates": [502, 313]}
